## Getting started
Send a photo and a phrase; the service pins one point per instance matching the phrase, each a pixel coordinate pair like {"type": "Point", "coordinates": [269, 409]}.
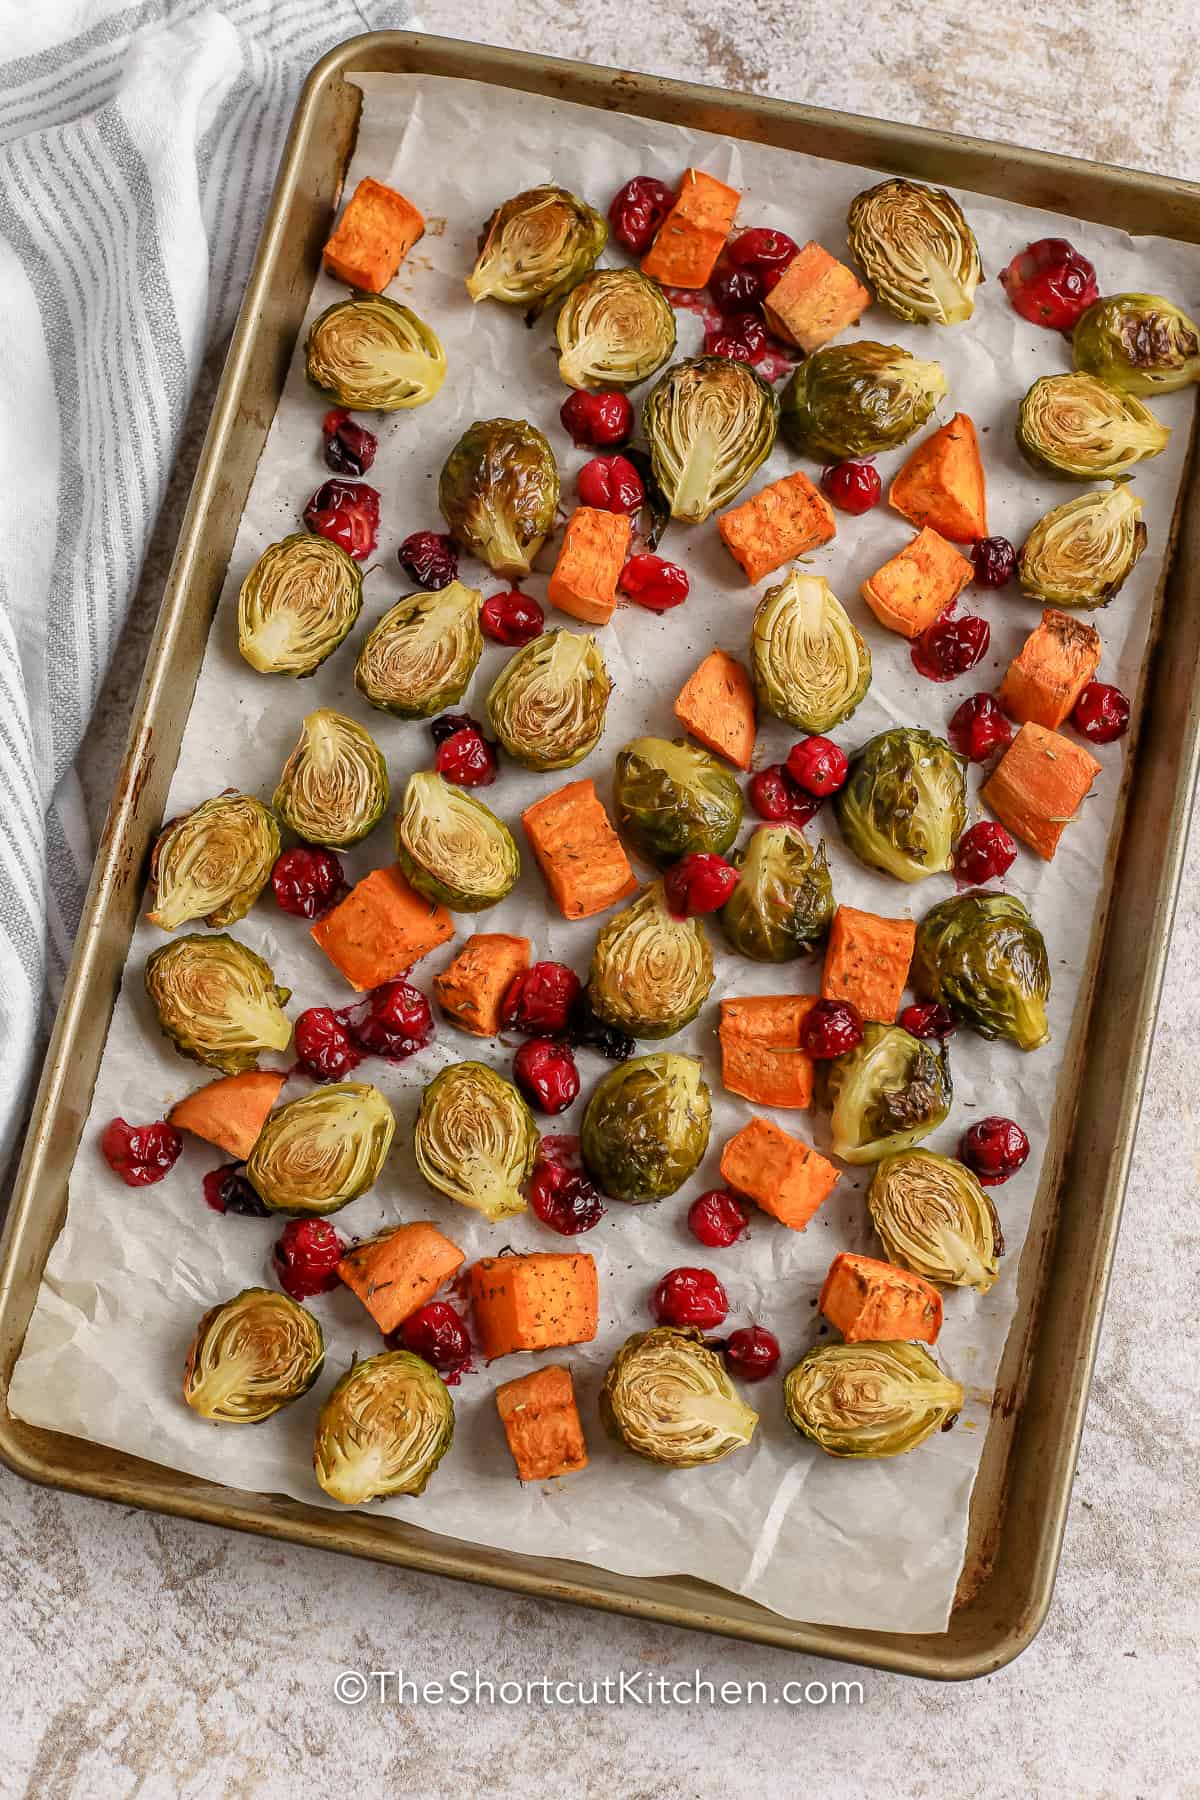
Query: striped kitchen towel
{"type": "Point", "coordinates": [137, 149]}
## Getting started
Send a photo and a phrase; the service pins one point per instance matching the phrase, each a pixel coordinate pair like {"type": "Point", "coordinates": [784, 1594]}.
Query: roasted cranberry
{"type": "Point", "coordinates": [306, 1257]}
{"type": "Point", "coordinates": [993, 560]}
{"type": "Point", "coordinates": [307, 882]}
{"type": "Point", "coordinates": [446, 724]}
{"type": "Point", "coordinates": [611, 484]}
{"type": "Point", "coordinates": [752, 1352]}
{"type": "Point", "coordinates": [430, 558]}
{"type": "Point", "coordinates": [776, 798]}
{"type": "Point", "coordinates": [951, 646]}
{"type": "Point", "coordinates": [830, 1028]}
{"type": "Point", "coordinates": [227, 1190]}
{"type": "Point", "coordinates": [467, 759]}
{"type": "Point", "coordinates": [347, 513]}
{"type": "Point", "coordinates": [690, 1297]}
{"type": "Point", "coordinates": [395, 1020]}
{"type": "Point", "coordinates": [764, 250]}
{"type": "Point", "coordinates": [140, 1154]}
{"type": "Point", "coordinates": [437, 1334]}
{"type": "Point", "coordinates": [638, 210]}
{"type": "Point", "coordinates": [742, 338]}
{"type": "Point", "coordinates": [818, 766]}
{"type": "Point", "coordinates": [978, 728]}
{"type": "Point", "coordinates": [698, 883]}
{"type": "Point", "coordinates": [563, 1198]}
{"type": "Point", "coordinates": [653, 583]}
{"type": "Point", "coordinates": [544, 1070]}
{"type": "Point", "coordinates": [736, 290]}
{"type": "Point", "coordinates": [538, 1002]}
{"type": "Point", "coordinates": [1101, 713]}
{"type": "Point", "coordinates": [717, 1219]}
{"type": "Point", "coordinates": [983, 854]}
{"type": "Point", "coordinates": [927, 1020]}
{"type": "Point", "coordinates": [324, 1048]}
{"type": "Point", "coordinates": [995, 1148]}
{"type": "Point", "coordinates": [854, 487]}
{"type": "Point", "coordinates": [511, 618]}
{"type": "Point", "coordinates": [597, 419]}
{"type": "Point", "coordinates": [587, 1032]}
{"type": "Point", "coordinates": [1050, 283]}
{"type": "Point", "coordinates": [349, 448]}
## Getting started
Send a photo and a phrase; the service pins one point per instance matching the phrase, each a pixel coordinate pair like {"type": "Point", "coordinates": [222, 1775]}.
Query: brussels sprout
{"type": "Point", "coordinates": [651, 972]}
{"type": "Point", "coordinates": [374, 355]}
{"type": "Point", "coordinates": [535, 248]}
{"type": "Point", "coordinates": [904, 804]}
{"type": "Point", "coordinates": [1138, 343]}
{"type": "Point", "coordinates": [869, 1399]}
{"type": "Point", "coordinates": [1077, 426]}
{"type": "Point", "coordinates": [783, 905]}
{"type": "Point", "coordinates": [810, 666]}
{"type": "Point", "coordinates": [933, 1217]}
{"type": "Point", "coordinates": [498, 493]}
{"type": "Point", "coordinates": [672, 797]}
{"type": "Point", "coordinates": [475, 1139]}
{"type": "Point", "coordinates": [614, 329]}
{"type": "Point", "coordinates": [916, 250]}
{"type": "Point", "coordinates": [670, 1400]}
{"type": "Point", "coordinates": [857, 399]}
{"type": "Point", "coordinates": [334, 785]}
{"type": "Point", "coordinates": [982, 956]}
{"type": "Point", "coordinates": [212, 863]}
{"type": "Point", "coordinates": [251, 1356]}
{"type": "Point", "coordinates": [709, 423]}
{"type": "Point", "coordinates": [383, 1430]}
{"type": "Point", "coordinates": [1082, 553]}
{"type": "Point", "coordinates": [318, 1153]}
{"type": "Point", "coordinates": [418, 659]}
{"type": "Point", "coordinates": [548, 703]}
{"type": "Point", "coordinates": [217, 1001]}
{"type": "Point", "coordinates": [886, 1095]}
{"type": "Point", "coordinates": [646, 1126]}
{"type": "Point", "coordinates": [296, 605]}
{"type": "Point", "coordinates": [452, 847]}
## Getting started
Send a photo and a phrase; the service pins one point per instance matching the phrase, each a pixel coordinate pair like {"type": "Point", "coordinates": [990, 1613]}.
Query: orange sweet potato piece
{"type": "Point", "coordinates": [761, 1058]}
{"type": "Point", "coordinates": [534, 1302]}
{"type": "Point", "coordinates": [577, 850]}
{"type": "Point", "coordinates": [471, 988]}
{"type": "Point", "coordinates": [872, 1302]}
{"type": "Point", "coordinates": [1055, 664]}
{"type": "Point", "coordinates": [381, 929]}
{"type": "Point", "coordinates": [780, 1174]}
{"type": "Point", "coordinates": [814, 299]}
{"type": "Point", "coordinates": [716, 704]}
{"type": "Point", "coordinates": [1038, 786]}
{"type": "Point", "coordinates": [917, 584]}
{"type": "Point", "coordinates": [541, 1422]}
{"type": "Point", "coordinates": [230, 1112]}
{"type": "Point", "coordinates": [780, 522]}
{"type": "Point", "coordinates": [942, 485]}
{"type": "Point", "coordinates": [866, 962]}
{"type": "Point", "coordinates": [584, 580]}
{"type": "Point", "coordinates": [374, 235]}
{"type": "Point", "coordinates": [692, 236]}
{"type": "Point", "coordinates": [396, 1273]}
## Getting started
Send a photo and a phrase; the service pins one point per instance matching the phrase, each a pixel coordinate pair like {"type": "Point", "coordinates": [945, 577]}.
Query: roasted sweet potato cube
{"type": "Point", "coordinates": [942, 484]}
{"type": "Point", "coordinates": [1038, 786]}
{"type": "Point", "coordinates": [594, 548]}
{"type": "Point", "coordinates": [692, 236]}
{"type": "Point", "coordinates": [398, 1272]}
{"type": "Point", "coordinates": [541, 1423]}
{"type": "Point", "coordinates": [873, 1302]}
{"type": "Point", "coordinates": [538, 1301]}
{"type": "Point", "coordinates": [815, 299]}
{"type": "Point", "coordinates": [1054, 665]}
{"type": "Point", "coordinates": [866, 962]}
{"type": "Point", "coordinates": [776, 525]}
{"type": "Point", "coordinates": [761, 1058]}
{"type": "Point", "coordinates": [374, 235]}
{"type": "Point", "coordinates": [779, 1173]}
{"type": "Point", "coordinates": [716, 704]}
{"type": "Point", "coordinates": [381, 929]}
{"type": "Point", "coordinates": [471, 989]}
{"type": "Point", "coordinates": [577, 850]}
{"type": "Point", "coordinates": [231, 1112]}
{"type": "Point", "coordinates": [917, 584]}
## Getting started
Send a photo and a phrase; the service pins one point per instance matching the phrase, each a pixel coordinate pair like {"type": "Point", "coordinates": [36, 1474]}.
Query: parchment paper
{"type": "Point", "coordinates": [877, 1544]}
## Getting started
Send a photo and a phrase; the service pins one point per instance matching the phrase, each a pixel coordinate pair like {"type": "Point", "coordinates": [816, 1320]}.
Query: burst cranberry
{"type": "Point", "coordinates": [994, 559]}
{"type": "Point", "coordinates": [854, 487]}
{"type": "Point", "coordinates": [736, 290]}
{"type": "Point", "coordinates": [140, 1154]}
{"type": "Point", "coordinates": [324, 1047]}
{"type": "Point", "coordinates": [227, 1190]}
{"type": "Point", "coordinates": [831, 1028]}
{"type": "Point", "coordinates": [437, 1334]}
{"type": "Point", "coordinates": [306, 1257]}
{"type": "Point", "coordinates": [818, 766]}
{"type": "Point", "coordinates": [928, 1020]}
{"type": "Point", "coordinates": [611, 484]}
{"type": "Point", "coordinates": [597, 419]}
{"type": "Point", "coordinates": [544, 1070]}
{"type": "Point", "coordinates": [698, 883]}
{"type": "Point", "coordinates": [538, 1001]}
{"type": "Point", "coordinates": [653, 583]}
{"type": "Point", "coordinates": [586, 1031]}
{"type": "Point", "coordinates": [995, 1148]}
{"type": "Point", "coordinates": [979, 728]}
{"type": "Point", "coordinates": [511, 618]}
{"type": "Point", "coordinates": [690, 1297]}
{"type": "Point", "coordinates": [951, 646]}
{"type": "Point", "coordinates": [395, 1020]}
{"type": "Point", "coordinates": [307, 882]}
{"type": "Point", "coordinates": [347, 513]}
{"type": "Point", "coordinates": [563, 1198]}
{"type": "Point", "coordinates": [466, 759]}
{"type": "Point", "coordinates": [752, 1352]}
{"type": "Point", "coordinates": [717, 1219]}
{"type": "Point", "coordinates": [349, 448]}
{"type": "Point", "coordinates": [776, 798]}
{"type": "Point", "coordinates": [742, 338]}
{"type": "Point", "coordinates": [1101, 713]}
{"type": "Point", "coordinates": [985, 853]}
{"type": "Point", "coordinates": [446, 724]}
{"type": "Point", "coordinates": [1050, 283]}
{"type": "Point", "coordinates": [638, 210]}
{"type": "Point", "coordinates": [430, 558]}
{"type": "Point", "coordinates": [766, 251]}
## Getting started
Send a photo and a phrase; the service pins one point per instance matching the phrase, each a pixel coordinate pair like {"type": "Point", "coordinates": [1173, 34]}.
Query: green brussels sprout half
{"type": "Point", "coordinates": [1138, 343]}
{"type": "Point", "coordinates": [316, 1154]}
{"type": "Point", "coordinates": [886, 1095]}
{"type": "Point", "coordinates": [646, 1126]}
{"type": "Point", "coordinates": [709, 423]}
{"type": "Point", "coordinates": [869, 1399]}
{"type": "Point", "coordinates": [904, 804]}
{"type": "Point", "coordinates": [614, 329]}
{"type": "Point", "coordinates": [421, 655]}
{"type": "Point", "coordinates": [933, 1217]}
{"type": "Point", "coordinates": [857, 399]}
{"type": "Point", "coordinates": [499, 493]}
{"type": "Point", "coordinates": [475, 1140]}
{"type": "Point", "coordinates": [217, 1001]}
{"type": "Point", "coordinates": [916, 250]}
{"type": "Point", "coordinates": [810, 666]}
{"type": "Point", "coordinates": [251, 1356]}
{"type": "Point", "coordinates": [667, 1398]}
{"type": "Point", "coordinates": [213, 862]}
{"type": "Point", "coordinates": [374, 355]}
{"type": "Point", "coordinates": [783, 904]}
{"type": "Point", "coordinates": [383, 1430]}
{"type": "Point", "coordinates": [1079, 427]}
{"type": "Point", "coordinates": [299, 601]}
{"type": "Point", "coordinates": [1082, 553]}
{"type": "Point", "coordinates": [672, 798]}
{"type": "Point", "coordinates": [535, 248]}
{"type": "Point", "coordinates": [651, 972]}
{"type": "Point", "coordinates": [548, 703]}
{"type": "Point", "coordinates": [981, 955]}
{"type": "Point", "coordinates": [452, 847]}
{"type": "Point", "coordinates": [334, 786]}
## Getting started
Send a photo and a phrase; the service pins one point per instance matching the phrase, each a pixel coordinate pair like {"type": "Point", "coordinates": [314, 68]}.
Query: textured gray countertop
{"type": "Point", "coordinates": [149, 1657]}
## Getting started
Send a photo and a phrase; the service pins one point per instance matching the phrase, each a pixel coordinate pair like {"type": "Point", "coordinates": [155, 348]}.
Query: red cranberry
{"type": "Point", "coordinates": [818, 766]}
{"type": "Point", "coordinates": [638, 210]}
{"type": "Point", "coordinates": [395, 1020]}
{"type": "Point", "coordinates": [324, 1048]}
{"type": "Point", "coordinates": [985, 853]}
{"type": "Point", "coordinates": [1101, 713]}
{"type": "Point", "coordinates": [598, 419]}
{"type": "Point", "coordinates": [736, 290]}
{"type": "Point", "coordinates": [227, 1190]}
{"type": "Point", "coordinates": [979, 728]}
{"type": "Point", "coordinates": [347, 513]}
{"type": "Point", "coordinates": [563, 1198]}
{"type": "Point", "coordinates": [545, 1072]}
{"type": "Point", "coordinates": [995, 1148]}
{"type": "Point", "coordinates": [538, 1001]}
{"type": "Point", "coordinates": [994, 559]}
{"type": "Point", "coordinates": [690, 1297]}
{"type": "Point", "coordinates": [830, 1028]}
{"type": "Point", "coordinates": [140, 1154]}
{"type": "Point", "coordinates": [437, 1334]}
{"type": "Point", "coordinates": [717, 1219]}
{"type": "Point", "coordinates": [446, 724]}
{"type": "Point", "coordinates": [653, 583]}
{"type": "Point", "coordinates": [951, 646]}
{"type": "Point", "coordinates": [742, 338]}
{"type": "Point", "coordinates": [927, 1020]}
{"type": "Point", "coordinates": [306, 1257]}
{"type": "Point", "coordinates": [349, 448]}
{"type": "Point", "coordinates": [776, 798]}
{"type": "Point", "coordinates": [854, 487]}
{"type": "Point", "coordinates": [430, 558]}
{"type": "Point", "coordinates": [512, 618]}
{"type": "Point", "coordinates": [467, 759]}
{"type": "Point", "coordinates": [698, 883]}
{"type": "Point", "coordinates": [752, 1352]}
{"type": "Point", "coordinates": [307, 882]}
{"type": "Point", "coordinates": [611, 484]}
{"type": "Point", "coordinates": [1050, 283]}
{"type": "Point", "coordinates": [764, 250]}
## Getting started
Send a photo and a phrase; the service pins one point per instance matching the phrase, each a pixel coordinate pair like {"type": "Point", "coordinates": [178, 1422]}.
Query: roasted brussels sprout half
{"type": "Point", "coordinates": [499, 492]}
{"type": "Point", "coordinates": [318, 1153]}
{"type": "Point", "coordinates": [217, 1001]}
{"type": "Point", "coordinates": [672, 797]}
{"type": "Point", "coordinates": [418, 659]}
{"type": "Point", "coordinates": [916, 250]}
{"type": "Point", "coordinates": [383, 1430]}
{"type": "Point", "coordinates": [535, 248]}
{"type": "Point", "coordinates": [298, 602]}
{"type": "Point", "coordinates": [982, 956]}
{"type": "Point", "coordinates": [251, 1356]}
{"type": "Point", "coordinates": [548, 703]}
{"type": "Point", "coordinates": [334, 785]}
{"type": "Point", "coordinates": [1138, 343]}
{"type": "Point", "coordinates": [374, 355]}
{"type": "Point", "coordinates": [651, 972]}
{"type": "Point", "coordinates": [452, 847]}
{"type": "Point", "coordinates": [933, 1217]}
{"type": "Point", "coordinates": [475, 1139]}
{"type": "Point", "coordinates": [709, 423]}
{"type": "Point", "coordinates": [887, 1095]}
{"type": "Point", "coordinates": [904, 804]}
{"type": "Point", "coordinates": [646, 1126]}
{"type": "Point", "coordinates": [212, 863]}
{"type": "Point", "coordinates": [869, 1399]}
{"type": "Point", "coordinates": [1082, 553]}
{"type": "Point", "coordinates": [810, 666]}
{"type": "Point", "coordinates": [670, 1400]}
{"type": "Point", "coordinates": [1078, 426]}
{"type": "Point", "coordinates": [614, 329]}
{"type": "Point", "coordinates": [783, 905]}
{"type": "Point", "coordinates": [857, 399]}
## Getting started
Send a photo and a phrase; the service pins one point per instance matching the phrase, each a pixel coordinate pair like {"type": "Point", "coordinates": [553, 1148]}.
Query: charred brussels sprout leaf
{"type": "Point", "coordinates": [672, 798]}
{"type": "Point", "coordinates": [651, 972]}
{"type": "Point", "coordinates": [614, 329]}
{"type": "Point", "coordinates": [982, 956]}
{"type": "Point", "coordinates": [535, 248]}
{"type": "Point", "coordinates": [251, 1356]}
{"type": "Point", "coordinates": [1138, 343]}
{"type": "Point", "coordinates": [420, 656]}
{"type": "Point", "coordinates": [886, 1095]}
{"type": "Point", "coordinates": [1079, 427]}
{"type": "Point", "coordinates": [857, 399]}
{"type": "Point", "coordinates": [498, 493]}
{"type": "Point", "coordinates": [212, 863]}
{"type": "Point", "coordinates": [710, 423]}
{"type": "Point", "coordinates": [869, 1399]}
{"type": "Point", "coordinates": [334, 785]}
{"type": "Point", "coordinates": [374, 355]}
{"type": "Point", "coordinates": [783, 905]}
{"type": "Point", "coordinates": [452, 847]}
{"type": "Point", "coordinates": [646, 1126]}
{"type": "Point", "coordinates": [1082, 553]}
{"type": "Point", "coordinates": [476, 1140]}
{"type": "Point", "coordinates": [301, 598]}
{"type": "Point", "coordinates": [670, 1400]}
{"type": "Point", "coordinates": [933, 1217]}
{"type": "Point", "coordinates": [217, 1001]}
{"type": "Point", "coordinates": [916, 250]}
{"type": "Point", "coordinates": [904, 804]}
{"type": "Point", "coordinates": [318, 1153]}
{"type": "Point", "coordinates": [548, 703]}
{"type": "Point", "coordinates": [810, 666]}
{"type": "Point", "coordinates": [383, 1430]}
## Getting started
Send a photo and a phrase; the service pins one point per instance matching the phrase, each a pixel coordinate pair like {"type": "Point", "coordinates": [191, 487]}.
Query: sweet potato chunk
{"type": "Point", "coordinates": [716, 704]}
{"type": "Point", "coordinates": [1055, 664]}
{"type": "Point", "coordinates": [761, 1058]}
{"type": "Point", "coordinates": [398, 1272]}
{"type": "Point", "coordinates": [913, 587]}
{"type": "Point", "coordinates": [777, 524]}
{"type": "Point", "coordinates": [815, 299]}
{"type": "Point", "coordinates": [538, 1301]}
{"type": "Point", "coordinates": [872, 1302]}
{"type": "Point", "coordinates": [578, 852]}
{"type": "Point", "coordinates": [692, 236]}
{"type": "Point", "coordinates": [942, 484]}
{"type": "Point", "coordinates": [866, 962]}
{"type": "Point", "coordinates": [541, 1423]}
{"type": "Point", "coordinates": [374, 235]}
{"type": "Point", "coordinates": [780, 1174]}
{"type": "Point", "coordinates": [230, 1112]}
{"type": "Point", "coordinates": [381, 929]}
{"type": "Point", "coordinates": [471, 988]}
{"type": "Point", "coordinates": [1038, 786]}
{"type": "Point", "coordinates": [594, 547]}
